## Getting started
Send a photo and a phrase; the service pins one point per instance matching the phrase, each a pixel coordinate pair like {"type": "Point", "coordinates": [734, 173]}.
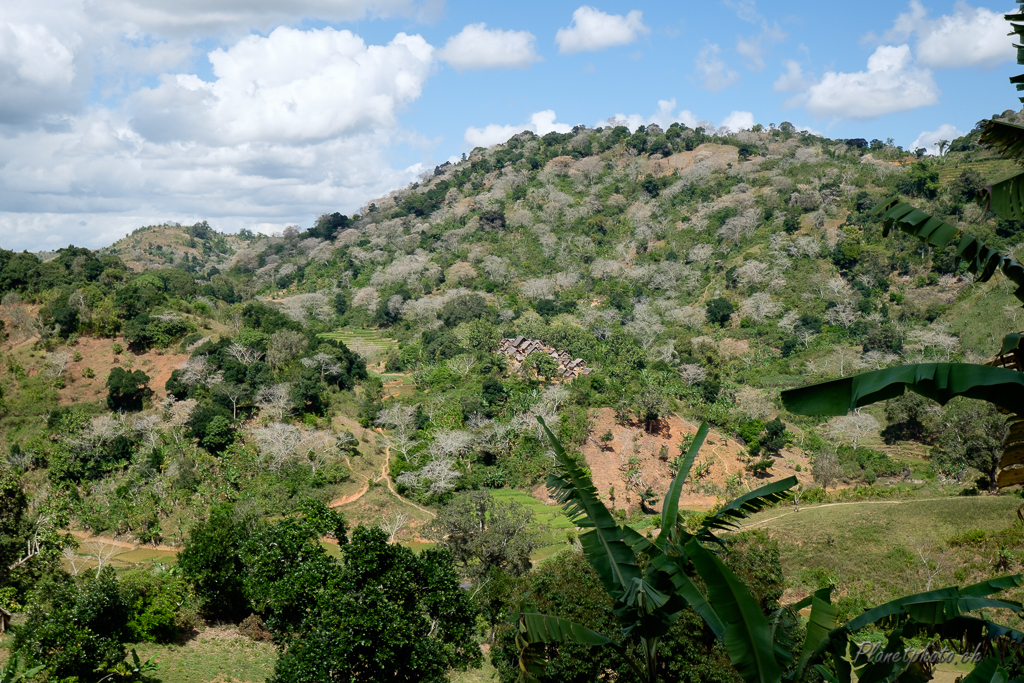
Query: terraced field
{"type": "Point", "coordinates": [369, 344]}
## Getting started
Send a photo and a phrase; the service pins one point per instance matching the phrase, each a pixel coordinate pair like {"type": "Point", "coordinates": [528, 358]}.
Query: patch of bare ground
{"type": "Point", "coordinates": [98, 354]}
{"type": "Point", "coordinates": [655, 450]}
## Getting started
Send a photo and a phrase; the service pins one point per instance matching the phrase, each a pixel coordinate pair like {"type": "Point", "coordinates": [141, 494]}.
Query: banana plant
{"type": "Point", "coordinates": [648, 602]}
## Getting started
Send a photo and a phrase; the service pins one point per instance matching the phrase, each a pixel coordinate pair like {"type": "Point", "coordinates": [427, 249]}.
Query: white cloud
{"type": "Point", "coordinates": [592, 29]}
{"type": "Point", "coordinates": [738, 120]}
{"type": "Point", "coordinates": [712, 72]}
{"type": "Point", "coordinates": [477, 47]}
{"type": "Point", "coordinates": [663, 117]}
{"type": "Point", "coordinates": [191, 17]}
{"type": "Point", "coordinates": [541, 123]}
{"type": "Point", "coordinates": [294, 124]}
{"type": "Point", "coordinates": [37, 69]}
{"type": "Point", "coordinates": [929, 139]}
{"type": "Point", "coordinates": [292, 85]}
{"type": "Point", "coordinates": [754, 47]}
{"type": "Point", "coordinates": [746, 10]}
{"type": "Point", "coordinates": [890, 84]}
{"type": "Point", "coordinates": [793, 79]}
{"type": "Point", "coordinates": [970, 36]}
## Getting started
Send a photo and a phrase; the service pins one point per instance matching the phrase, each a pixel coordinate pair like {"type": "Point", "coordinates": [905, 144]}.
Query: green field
{"type": "Point", "coordinates": [369, 344]}
{"type": "Point", "coordinates": [871, 550]}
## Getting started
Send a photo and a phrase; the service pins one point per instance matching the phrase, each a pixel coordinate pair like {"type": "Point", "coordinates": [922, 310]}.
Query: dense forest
{"type": "Point", "coordinates": [227, 398]}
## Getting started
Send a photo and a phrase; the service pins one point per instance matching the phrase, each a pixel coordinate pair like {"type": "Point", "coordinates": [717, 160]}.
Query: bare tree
{"type": "Point", "coordinates": [461, 365]}
{"type": "Point", "coordinates": [931, 567]}
{"type": "Point", "coordinates": [102, 551]}
{"type": "Point", "coordinates": [392, 524]}
{"type": "Point", "coordinates": [57, 363]}
{"type": "Point", "coordinates": [324, 362]}
{"type": "Point", "coordinates": [438, 476]}
{"type": "Point", "coordinates": [285, 345]}
{"type": "Point", "coordinates": [852, 428]}
{"type": "Point", "coordinates": [843, 314]}
{"type": "Point", "coordinates": [75, 560]}
{"type": "Point", "coordinates": [691, 374]}
{"type": "Point", "coordinates": [199, 371]}
{"type": "Point", "coordinates": [826, 469]}
{"type": "Point", "coordinates": [243, 354]}
{"type": "Point", "coordinates": [274, 399]}
{"type": "Point", "coordinates": [277, 443]}
{"type": "Point", "coordinates": [177, 414]}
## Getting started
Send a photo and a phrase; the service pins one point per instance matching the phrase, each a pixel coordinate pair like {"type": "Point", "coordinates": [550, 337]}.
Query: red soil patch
{"type": "Point", "coordinates": [608, 463]}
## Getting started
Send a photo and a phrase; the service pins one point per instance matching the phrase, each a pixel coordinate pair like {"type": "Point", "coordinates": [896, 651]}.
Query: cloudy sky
{"type": "Point", "coordinates": [264, 113]}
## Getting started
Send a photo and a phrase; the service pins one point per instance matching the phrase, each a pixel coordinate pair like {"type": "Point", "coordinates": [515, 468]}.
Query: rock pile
{"type": "Point", "coordinates": [519, 348]}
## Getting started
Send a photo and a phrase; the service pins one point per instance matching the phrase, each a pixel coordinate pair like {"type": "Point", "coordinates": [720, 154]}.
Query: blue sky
{"type": "Point", "coordinates": [261, 114]}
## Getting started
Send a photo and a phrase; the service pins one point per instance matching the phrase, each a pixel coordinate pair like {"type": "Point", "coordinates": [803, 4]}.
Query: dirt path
{"type": "Point", "coordinates": [84, 537]}
{"type": "Point", "coordinates": [353, 497]}
{"type": "Point", "coordinates": [829, 505]}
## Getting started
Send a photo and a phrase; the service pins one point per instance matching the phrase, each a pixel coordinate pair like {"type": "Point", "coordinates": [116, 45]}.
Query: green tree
{"type": "Point", "coordinates": [720, 310]}
{"type": "Point", "coordinates": [211, 561]}
{"type": "Point", "coordinates": [482, 533]}
{"type": "Point", "coordinates": [465, 308]}
{"type": "Point", "coordinates": [543, 364]}
{"type": "Point", "coordinates": [971, 433]}
{"type": "Point", "coordinates": [385, 613]}
{"type": "Point", "coordinates": [127, 390]}
{"type": "Point", "coordinates": [76, 632]}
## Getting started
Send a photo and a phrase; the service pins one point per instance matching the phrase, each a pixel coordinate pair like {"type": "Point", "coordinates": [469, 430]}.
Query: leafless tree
{"type": "Point", "coordinates": [806, 336]}
{"type": "Point", "coordinates": [789, 321]}
{"type": "Point", "coordinates": [843, 314]}
{"type": "Point", "coordinates": [826, 469]}
{"type": "Point", "coordinates": [274, 399]}
{"type": "Point", "coordinates": [392, 524]}
{"type": "Point", "coordinates": [277, 443]}
{"type": "Point", "coordinates": [462, 364]}
{"type": "Point", "coordinates": [852, 428]}
{"type": "Point", "coordinates": [177, 414]}
{"type": "Point", "coordinates": [75, 560]}
{"type": "Point", "coordinates": [57, 363]}
{"type": "Point", "coordinates": [931, 567]}
{"type": "Point", "coordinates": [285, 345]}
{"type": "Point", "coordinates": [102, 551]}
{"type": "Point", "coordinates": [438, 476]}
{"type": "Point", "coordinates": [243, 354]}
{"type": "Point", "coordinates": [324, 362]}
{"type": "Point", "coordinates": [199, 371]}
{"type": "Point", "coordinates": [450, 443]}
{"type": "Point", "coordinates": [758, 307]}
{"type": "Point", "coordinates": [691, 374]}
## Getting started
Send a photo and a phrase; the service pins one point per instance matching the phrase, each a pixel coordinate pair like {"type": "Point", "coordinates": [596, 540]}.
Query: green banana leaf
{"type": "Point", "coordinates": [747, 633]}
{"type": "Point", "coordinates": [604, 544]}
{"type": "Point", "coordinates": [1006, 198]}
{"type": "Point", "coordinates": [937, 381]}
{"type": "Point", "coordinates": [727, 517]}
{"type": "Point", "coordinates": [988, 671]}
{"type": "Point", "coordinates": [982, 260]}
{"type": "Point", "coordinates": [1004, 137]}
{"type": "Point", "coordinates": [1010, 342]}
{"type": "Point", "coordinates": [822, 621]}
{"type": "Point", "coordinates": [670, 510]}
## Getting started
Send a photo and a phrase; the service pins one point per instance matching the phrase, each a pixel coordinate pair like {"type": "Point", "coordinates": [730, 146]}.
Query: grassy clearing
{"type": "Point", "coordinates": [872, 550]}
{"type": "Point", "coordinates": [218, 654]}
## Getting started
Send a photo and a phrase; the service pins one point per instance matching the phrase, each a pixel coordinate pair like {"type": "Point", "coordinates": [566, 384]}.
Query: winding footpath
{"type": "Point", "coordinates": [353, 497]}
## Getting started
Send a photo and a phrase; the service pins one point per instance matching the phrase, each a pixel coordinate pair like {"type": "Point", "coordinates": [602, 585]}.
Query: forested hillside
{"type": "Point", "coordinates": [231, 394]}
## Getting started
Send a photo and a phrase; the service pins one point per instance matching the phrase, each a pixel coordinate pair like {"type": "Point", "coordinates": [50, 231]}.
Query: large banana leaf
{"type": "Point", "coordinates": [1006, 198]}
{"type": "Point", "coordinates": [670, 510]}
{"type": "Point", "coordinates": [1004, 137]}
{"type": "Point", "coordinates": [982, 260]}
{"type": "Point", "coordinates": [988, 671]}
{"type": "Point", "coordinates": [748, 637]}
{"type": "Point", "coordinates": [821, 622]}
{"type": "Point", "coordinates": [536, 629]}
{"type": "Point", "coordinates": [937, 381]}
{"type": "Point", "coordinates": [729, 514]}
{"type": "Point", "coordinates": [604, 544]}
